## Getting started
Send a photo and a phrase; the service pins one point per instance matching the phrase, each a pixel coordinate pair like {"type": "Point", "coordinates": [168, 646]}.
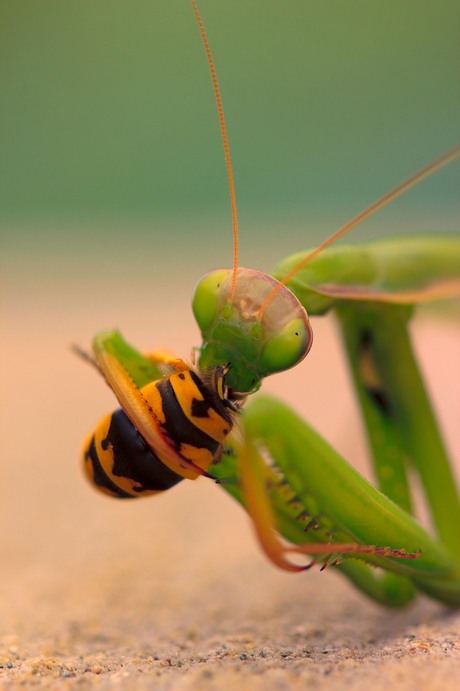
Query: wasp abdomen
{"type": "Point", "coordinates": [181, 427]}
{"type": "Point", "coordinates": [195, 420]}
{"type": "Point", "coordinates": [119, 462]}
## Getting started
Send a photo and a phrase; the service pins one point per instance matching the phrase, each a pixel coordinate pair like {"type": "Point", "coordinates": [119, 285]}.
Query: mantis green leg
{"type": "Point", "coordinates": [374, 292]}
{"type": "Point", "coordinates": [342, 505]}
{"type": "Point", "coordinates": [142, 368]}
{"type": "Point", "coordinates": [400, 423]}
{"type": "Point", "coordinates": [297, 526]}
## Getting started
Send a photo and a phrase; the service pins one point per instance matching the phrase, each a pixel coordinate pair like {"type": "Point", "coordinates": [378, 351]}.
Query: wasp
{"type": "Point", "coordinates": [192, 416]}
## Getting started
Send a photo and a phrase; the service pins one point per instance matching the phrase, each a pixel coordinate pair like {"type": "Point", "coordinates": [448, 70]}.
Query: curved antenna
{"type": "Point", "coordinates": [425, 172]}
{"type": "Point", "coordinates": [227, 153]}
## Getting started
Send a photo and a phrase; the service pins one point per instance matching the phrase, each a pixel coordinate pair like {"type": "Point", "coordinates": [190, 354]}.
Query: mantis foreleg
{"type": "Point", "coordinates": [342, 504]}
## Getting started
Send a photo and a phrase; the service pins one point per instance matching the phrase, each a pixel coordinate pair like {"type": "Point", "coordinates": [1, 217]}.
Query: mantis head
{"type": "Point", "coordinates": [257, 342]}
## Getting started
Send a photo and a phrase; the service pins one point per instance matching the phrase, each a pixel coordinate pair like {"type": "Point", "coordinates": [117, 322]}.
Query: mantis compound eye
{"type": "Point", "coordinates": [206, 298]}
{"type": "Point", "coordinates": [288, 347]}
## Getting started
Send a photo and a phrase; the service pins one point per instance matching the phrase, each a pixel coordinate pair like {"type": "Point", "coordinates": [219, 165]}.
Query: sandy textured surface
{"type": "Point", "coordinates": [219, 623]}
{"type": "Point", "coordinates": [172, 592]}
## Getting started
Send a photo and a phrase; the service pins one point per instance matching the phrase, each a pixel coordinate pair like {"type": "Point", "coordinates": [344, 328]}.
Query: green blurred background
{"type": "Point", "coordinates": [111, 137]}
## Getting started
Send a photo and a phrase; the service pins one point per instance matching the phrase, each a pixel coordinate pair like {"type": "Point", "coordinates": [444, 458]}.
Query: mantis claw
{"type": "Point", "coordinates": [312, 525]}
{"type": "Point", "coordinates": [256, 482]}
{"type": "Point", "coordinates": [303, 515]}
{"type": "Point", "coordinates": [227, 481]}
{"type": "Point", "coordinates": [294, 500]}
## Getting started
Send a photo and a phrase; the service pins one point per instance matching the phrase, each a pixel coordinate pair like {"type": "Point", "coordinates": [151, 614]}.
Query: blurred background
{"type": "Point", "coordinates": [109, 122]}
{"type": "Point", "coordinates": [114, 201]}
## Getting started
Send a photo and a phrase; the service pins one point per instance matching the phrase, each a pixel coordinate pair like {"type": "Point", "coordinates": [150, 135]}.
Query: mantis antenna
{"type": "Point", "coordinates": [433, 167]}
{"type": "Point", "coordinates": [413, 180]}
{"type": "Point", "coordinates": [227, 153]}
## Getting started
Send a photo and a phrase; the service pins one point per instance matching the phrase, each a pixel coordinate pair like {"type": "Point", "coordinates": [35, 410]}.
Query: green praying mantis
{"type": "Point", "coordinates": [292, 483]}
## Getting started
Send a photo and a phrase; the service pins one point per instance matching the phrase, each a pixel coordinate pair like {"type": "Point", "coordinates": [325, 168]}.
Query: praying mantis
{"type": "Point", "coordinates": [178, 420]}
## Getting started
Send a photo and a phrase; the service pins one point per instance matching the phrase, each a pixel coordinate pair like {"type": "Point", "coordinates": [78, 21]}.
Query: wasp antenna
{"type": "Point", "coordinates": [87, 357]}
{"type": "Point", "coordinates": [227, 153]}
{"type": "Point", "coordinates": [430, 169]}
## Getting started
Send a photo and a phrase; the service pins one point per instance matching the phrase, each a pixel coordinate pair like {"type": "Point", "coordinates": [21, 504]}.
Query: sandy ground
{"type": "Point", "coordinates": [172, 592]}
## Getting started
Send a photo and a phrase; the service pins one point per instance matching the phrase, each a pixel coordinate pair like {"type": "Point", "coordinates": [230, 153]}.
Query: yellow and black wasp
{"type": "Point", "coordinates": [191, 415]}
